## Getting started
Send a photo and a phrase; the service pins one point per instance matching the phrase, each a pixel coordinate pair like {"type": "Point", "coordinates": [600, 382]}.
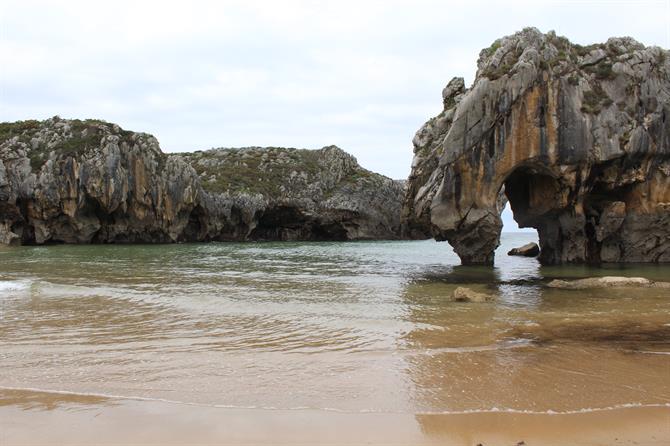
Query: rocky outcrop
{"type": "Point", "coordinates": [577, 139]}
{"type": "Point", "coordinates": [607, 282]}
{"type": "Point", "coordinates": [89, 181]}
{"type": "Point", "coordinates": [527, 250]}
{"type": "Point", "coordinates": [71, 181]}
{"type": "Point", "coordinates": [277, 193]}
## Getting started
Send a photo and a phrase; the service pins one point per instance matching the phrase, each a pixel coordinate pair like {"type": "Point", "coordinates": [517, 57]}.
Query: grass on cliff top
{"type": "Point", "coordinates": [260, 170]}
{"type": "Point", "coordinates": [84, 136]}
{"type": "Point", "coordinates": [11, 129]}
{"type": "Point", "coordinates": [569, 54]}
{"type": "Point", "coordinates": [251, 170]}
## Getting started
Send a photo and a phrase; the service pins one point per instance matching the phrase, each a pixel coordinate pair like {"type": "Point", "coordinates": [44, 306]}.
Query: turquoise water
{"type": "Point", "coordinates": [356, 327]}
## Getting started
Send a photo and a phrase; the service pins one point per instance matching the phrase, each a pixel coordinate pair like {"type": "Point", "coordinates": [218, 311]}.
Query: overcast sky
{"type": "Point", "coordinates": [363, 75]}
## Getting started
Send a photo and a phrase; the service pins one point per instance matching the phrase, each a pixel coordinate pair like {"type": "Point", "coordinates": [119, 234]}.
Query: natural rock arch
{"type": "Point", "coordinates": [579, 138]}
{"type": "Point", "coordinates": [534, 195]}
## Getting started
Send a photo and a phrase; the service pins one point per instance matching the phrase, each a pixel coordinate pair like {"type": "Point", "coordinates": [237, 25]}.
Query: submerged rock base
{"type": "Point", "coordinates": [607, 282]}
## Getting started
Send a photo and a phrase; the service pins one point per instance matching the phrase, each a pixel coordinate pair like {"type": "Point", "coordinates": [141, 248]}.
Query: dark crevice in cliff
{"type": "Point", "coordinates": [290, 223]}
{"type": "Point", "coordinates": [18, 215]}
{"type": "Point", "coordinates": [196, 227]}
{"type": "Point", "coordinates": [531, 195]}
{"type": "Point", "coordinates": [280, 223]}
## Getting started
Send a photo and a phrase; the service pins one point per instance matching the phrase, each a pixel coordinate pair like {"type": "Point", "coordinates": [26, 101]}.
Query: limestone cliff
{"type": "Point", "coordinates": [72, 181]}
{"type": "Point", "coordinates": [278, 193]}
{"type": "Point", "coordinates": [577, 138]}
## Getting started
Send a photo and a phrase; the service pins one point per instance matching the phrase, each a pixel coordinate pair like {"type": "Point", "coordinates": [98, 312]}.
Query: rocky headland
{"type": "Point", "coordinates": [576, 138]}
{"type": "Point", "coordinates": [73, 181]}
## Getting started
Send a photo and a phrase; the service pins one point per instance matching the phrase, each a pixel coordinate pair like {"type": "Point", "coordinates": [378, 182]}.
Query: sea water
{"type": "Point", "coordinates": [351, 327]}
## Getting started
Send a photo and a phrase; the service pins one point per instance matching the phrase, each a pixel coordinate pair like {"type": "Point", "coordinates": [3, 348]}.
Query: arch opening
{"type": "Point", "coordinates": [533, 197]}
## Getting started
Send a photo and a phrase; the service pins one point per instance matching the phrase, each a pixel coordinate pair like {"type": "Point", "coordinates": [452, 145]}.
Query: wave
{"type": "Point", "coordinates": [336, 410]}
{"type": "Point", "coordinates": [14, 285]}
{"type": "Point", "coordinates": [50, 289]}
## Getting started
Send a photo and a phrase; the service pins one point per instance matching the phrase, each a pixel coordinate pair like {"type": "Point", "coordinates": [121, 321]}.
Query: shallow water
{"type": "Point", "coordinates": [353, 327]}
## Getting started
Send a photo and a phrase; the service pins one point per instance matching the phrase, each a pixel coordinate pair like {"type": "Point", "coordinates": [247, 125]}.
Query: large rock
{"type": "Point", "coordinates": [527, 250]}
{"type": "Point", "coordinates": [577, 138]}
{"type": "Point", "coordinates": [72, 181]}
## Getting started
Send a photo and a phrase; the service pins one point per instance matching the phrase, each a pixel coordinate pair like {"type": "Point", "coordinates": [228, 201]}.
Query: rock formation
{"type": "Point", "coordinates": [576, 137]}
{"type": "Point", "coordinates": [289, 194]}
{"type": "Point", "coordinates": [463, 294]}
{"type": "Point", "coordinates": [71, 181]}
{"type": "Point", "coordinates": [527, 250]}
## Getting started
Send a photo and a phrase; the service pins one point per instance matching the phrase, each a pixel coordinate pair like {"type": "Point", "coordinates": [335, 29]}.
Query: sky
{"type": "Point", "coordinates": [363, 75]}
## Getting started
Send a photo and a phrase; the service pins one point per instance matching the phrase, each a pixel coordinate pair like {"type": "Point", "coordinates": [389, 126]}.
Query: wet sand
{"type": "Point", "coordinates": [31, 418]}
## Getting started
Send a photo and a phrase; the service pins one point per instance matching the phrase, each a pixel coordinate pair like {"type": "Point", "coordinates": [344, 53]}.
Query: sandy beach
{"type": "Point", "coordinates": [36, 418]}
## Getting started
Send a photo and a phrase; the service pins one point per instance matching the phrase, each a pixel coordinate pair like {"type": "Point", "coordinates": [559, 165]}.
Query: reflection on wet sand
{"type": "Point", "coordinates": [594, 351]}
{"type": "Point", "coordinates": [153, 422]}
{"type": "Point", "coordinates": [642, 426]}
{"type": "Point", "coordinates": [36, 400]}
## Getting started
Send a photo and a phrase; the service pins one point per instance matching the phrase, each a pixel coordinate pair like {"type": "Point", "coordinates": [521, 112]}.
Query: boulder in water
{"type": "Point", "coordinates": [527, 250]}
{"type": "Point", "coordinates": [463, 294]}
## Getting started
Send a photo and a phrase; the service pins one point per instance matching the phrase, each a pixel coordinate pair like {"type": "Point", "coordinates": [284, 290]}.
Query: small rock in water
{"type": "Point", "coordinates": [462, 294]}
{"type": "Point", "coordinates": [527, 250]}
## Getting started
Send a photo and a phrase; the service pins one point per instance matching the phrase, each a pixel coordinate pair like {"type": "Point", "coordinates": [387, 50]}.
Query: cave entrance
{"type": "Point", "coordinates": [532, 195]}
{"type": "Point", "coordinates": [284, 223]}
{"type": "Point", "coordinates": [196, 227]}
{"type": "Point", "coordinates": [289, 223]}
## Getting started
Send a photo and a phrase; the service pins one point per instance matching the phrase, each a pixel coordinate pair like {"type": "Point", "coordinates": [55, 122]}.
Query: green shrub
{"type": "Point", "coordinates": [604, 71]}
{"type": "Point", "coordinates": [10, 129]}
{"type": "Point", "coordinates": [594, 100]}
{"type": "Point", "coordinates": [493, 48]}
{"type": "Point", "coordinates": [561, 43]}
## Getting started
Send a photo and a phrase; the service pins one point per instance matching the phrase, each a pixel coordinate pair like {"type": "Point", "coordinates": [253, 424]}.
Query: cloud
{"type": "Point", "coordinates": [360, 74]}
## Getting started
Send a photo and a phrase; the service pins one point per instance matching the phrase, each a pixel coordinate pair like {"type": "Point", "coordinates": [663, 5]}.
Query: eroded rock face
{"type": "Point", "coordinates": [276, 193]}
{"type": "Point", "coordinates": [71, 181]}
{"type": "Point", "coordinates": [577, 139]}
{"type": "Point", "coordinates": [89, 181]}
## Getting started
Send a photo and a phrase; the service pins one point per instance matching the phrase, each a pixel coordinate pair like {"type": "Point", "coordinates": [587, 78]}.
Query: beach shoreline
{"type": "Point", "coordinates": [36, 418]}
